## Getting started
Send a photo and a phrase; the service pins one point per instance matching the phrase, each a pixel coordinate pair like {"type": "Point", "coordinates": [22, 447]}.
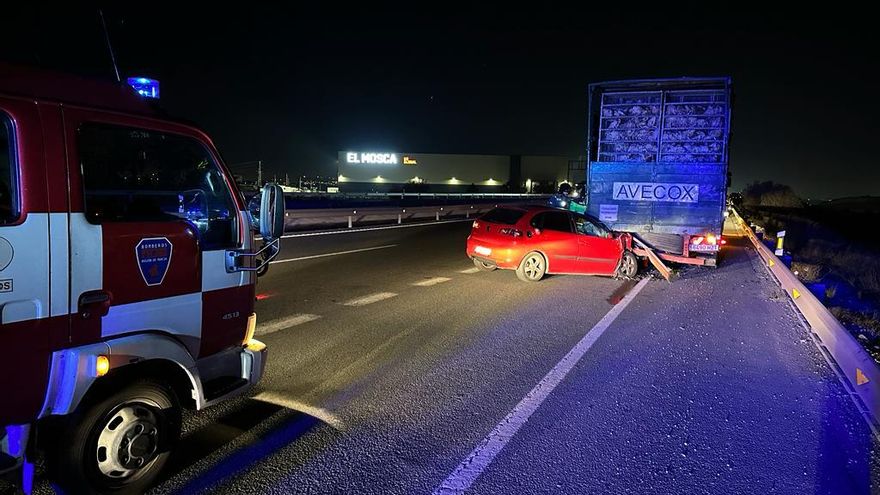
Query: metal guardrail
{"type": "Point", "coordinates": [454, 195]}
{"type": "Point", "coordinates": [856, 368]}
{"type": "Point", "coordinates": [416, 195]}
{"type": "Point", "coordinates": [295, 219]}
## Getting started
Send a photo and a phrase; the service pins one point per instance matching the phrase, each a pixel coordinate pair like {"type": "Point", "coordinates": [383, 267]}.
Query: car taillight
{"type": "Point", "coordinates": [476, 224]}
{"type": "Point", "coordinates": [511, 232]}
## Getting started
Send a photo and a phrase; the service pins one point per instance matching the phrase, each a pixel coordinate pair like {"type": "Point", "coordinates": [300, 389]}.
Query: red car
{"type": "Point", "coordinates": [537, 240]}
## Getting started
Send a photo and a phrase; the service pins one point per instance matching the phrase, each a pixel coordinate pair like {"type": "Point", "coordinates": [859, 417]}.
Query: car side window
{"type": "Point", "coordinates": [586, 227]}
{"type": "Point", "coordinates": [137, 175]}
{"type": "Point", "coordinates": [537, 221]}
{"type": "Point", "coordinates": [554, 220]}
{"type": "Point", "coordinates": [8, 176]}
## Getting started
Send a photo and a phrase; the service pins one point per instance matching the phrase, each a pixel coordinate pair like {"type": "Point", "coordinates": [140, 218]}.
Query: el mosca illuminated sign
{"type": "Point", "coordinates": [378, 158]}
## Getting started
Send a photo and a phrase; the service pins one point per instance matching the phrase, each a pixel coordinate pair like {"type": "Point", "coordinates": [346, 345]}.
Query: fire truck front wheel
{"type": "Point", "coordinates": [119, 443]}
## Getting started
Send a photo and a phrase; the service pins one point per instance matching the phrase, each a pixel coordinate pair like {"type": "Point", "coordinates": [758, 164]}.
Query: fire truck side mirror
{"type": "Point", "coordinates": [272, 212]}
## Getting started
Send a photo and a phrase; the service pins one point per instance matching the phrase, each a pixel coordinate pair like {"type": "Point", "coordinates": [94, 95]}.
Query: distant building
{"type": "Point", "coordinates": [366, 171]}
{"type": "Point", "coordinates": [316, 183]}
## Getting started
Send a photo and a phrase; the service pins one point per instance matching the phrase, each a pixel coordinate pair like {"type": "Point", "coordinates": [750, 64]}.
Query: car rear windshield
{"type": "Point", "coordinates": [506, 216]}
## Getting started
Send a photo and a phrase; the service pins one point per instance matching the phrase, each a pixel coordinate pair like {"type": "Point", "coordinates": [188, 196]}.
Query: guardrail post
{"type": "Point", "coordinates": [780, 237]}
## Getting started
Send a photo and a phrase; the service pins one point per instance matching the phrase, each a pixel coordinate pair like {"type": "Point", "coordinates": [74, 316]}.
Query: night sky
{"type": "Point", "coordinates": [291, 87]}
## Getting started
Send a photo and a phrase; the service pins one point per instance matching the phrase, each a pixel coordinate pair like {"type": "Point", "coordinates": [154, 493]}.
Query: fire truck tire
{"type": "Point", "coordinates": [118, 443]}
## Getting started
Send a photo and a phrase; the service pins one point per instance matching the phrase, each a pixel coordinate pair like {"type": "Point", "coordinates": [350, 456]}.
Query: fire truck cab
{"type": "Point", "coordinates": [127, 279]}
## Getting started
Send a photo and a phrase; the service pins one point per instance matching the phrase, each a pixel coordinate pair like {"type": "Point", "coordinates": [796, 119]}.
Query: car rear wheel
{"type": "Point", "coordinates": [486, 267]}
{"type": "Point", "coordinates": [629, 265]}
{"type": "Point", "coordinates": [532, 268]}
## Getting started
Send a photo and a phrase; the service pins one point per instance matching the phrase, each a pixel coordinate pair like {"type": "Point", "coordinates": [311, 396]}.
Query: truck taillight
{"type": "Point", "coordinates": [511, 232]}
{"type": "Point", "coordinates": [706, 240]}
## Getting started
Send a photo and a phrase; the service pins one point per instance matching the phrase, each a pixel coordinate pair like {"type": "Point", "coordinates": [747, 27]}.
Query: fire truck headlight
{"type": "Point", "coordinates": [102, 365]}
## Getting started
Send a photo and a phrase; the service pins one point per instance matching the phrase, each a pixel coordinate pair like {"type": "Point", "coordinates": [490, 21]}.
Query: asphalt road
{"type": "Point", "coordinates": [391, 363]}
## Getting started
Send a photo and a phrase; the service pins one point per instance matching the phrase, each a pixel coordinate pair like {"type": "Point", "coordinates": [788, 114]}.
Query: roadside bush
{"type": "Point", "coordinates": [808, 272]}
{"type": "Point", "coordinates": [859, 322]}
{"type": "Point", "coordinates": [830, 291]}
{"type": "Point", "coordinates": [858, 266]}
{"type": "Point", "coordinates": [770, 193]}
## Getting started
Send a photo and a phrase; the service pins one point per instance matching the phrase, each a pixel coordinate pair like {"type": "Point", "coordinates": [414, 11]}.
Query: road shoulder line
{"type": "Point", "coordinates": [467, 472]}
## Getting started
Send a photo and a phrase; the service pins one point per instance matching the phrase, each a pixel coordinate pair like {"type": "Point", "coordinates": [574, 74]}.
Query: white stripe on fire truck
{"type": "Point", "coordinates": [214, 275]}
{"type": "Point", "coordinates": [179, 315]}
{"type": "Point", "coordinates": [27, 272]}
{"type": "Point", "coordinates": [86, 257]}
{"type": "Point", "coordinates": [59, 264]}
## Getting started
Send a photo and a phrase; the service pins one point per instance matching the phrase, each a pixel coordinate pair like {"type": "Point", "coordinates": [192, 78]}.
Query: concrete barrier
{"type": "Point", "coordinates": [858, 371]}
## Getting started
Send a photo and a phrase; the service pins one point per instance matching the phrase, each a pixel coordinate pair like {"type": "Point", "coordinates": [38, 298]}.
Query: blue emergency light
{"type": "Point", "coordinates": [146, 87]}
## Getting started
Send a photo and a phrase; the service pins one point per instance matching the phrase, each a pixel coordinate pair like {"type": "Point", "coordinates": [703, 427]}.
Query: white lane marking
{"type": "Point", "coordinates": [470, 270]}
{"type": "Point", "coordinates": [479, 459]}
{"type": "Point", "coordinates": [370, 229]}
{"type": "Point", "coordinates": [432, 281]}
{"type": "Point", "coordinates": [351, 251]}
{"type": "Point", "coordinates": [363, 301]}
{"type": "Point", "coordinates": [275, 325]}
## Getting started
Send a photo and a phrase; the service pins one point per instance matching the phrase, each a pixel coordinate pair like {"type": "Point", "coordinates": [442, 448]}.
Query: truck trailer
{"type": "Point", "coordinates": [658, 163]}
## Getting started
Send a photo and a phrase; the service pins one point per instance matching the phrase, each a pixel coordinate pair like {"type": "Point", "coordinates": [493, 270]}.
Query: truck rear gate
{"type": "Point", "coordinates": [658, 153]}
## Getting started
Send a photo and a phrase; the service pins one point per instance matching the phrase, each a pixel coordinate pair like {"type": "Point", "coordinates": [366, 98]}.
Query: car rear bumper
{"type": "Point", "coordinates": [507, 257]}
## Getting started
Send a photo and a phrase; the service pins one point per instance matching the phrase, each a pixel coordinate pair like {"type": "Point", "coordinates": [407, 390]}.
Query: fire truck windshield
{"type": "Point", "coordinates": [143, 175]}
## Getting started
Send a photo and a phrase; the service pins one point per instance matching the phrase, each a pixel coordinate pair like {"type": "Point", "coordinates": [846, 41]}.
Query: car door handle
{"type": "Point", "coordinates": [94, 303]}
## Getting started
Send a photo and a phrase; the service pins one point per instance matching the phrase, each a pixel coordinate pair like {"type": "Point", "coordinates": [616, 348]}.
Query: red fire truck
{"type": "Point", "coordinates": [127, 272]}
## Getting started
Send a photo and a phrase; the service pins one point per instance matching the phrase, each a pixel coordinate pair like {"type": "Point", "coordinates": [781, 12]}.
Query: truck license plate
{"type": "Point", "coordinates": [704, 248]}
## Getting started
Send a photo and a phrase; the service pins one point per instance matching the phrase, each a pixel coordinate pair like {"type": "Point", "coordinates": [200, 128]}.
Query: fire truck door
{"type": "Point", "coordinates": [150, 203]}
{"type": "Point", "coordinates": [25, 307]}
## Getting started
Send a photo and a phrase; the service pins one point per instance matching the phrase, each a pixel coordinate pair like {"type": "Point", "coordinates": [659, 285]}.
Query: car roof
{"type": "Point", "coordinates": [543, 208]}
